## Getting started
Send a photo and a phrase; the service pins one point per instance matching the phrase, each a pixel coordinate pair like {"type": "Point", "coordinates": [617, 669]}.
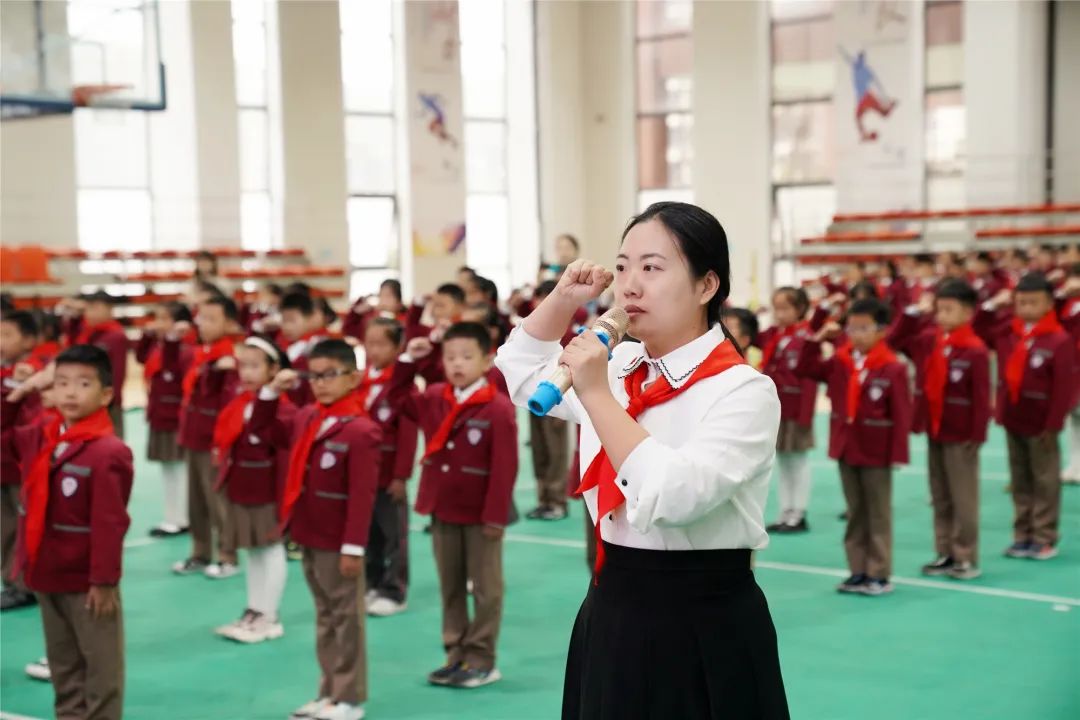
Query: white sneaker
{"type": "Point", "coordinates": [258, 630]}
{"type": "Point", "coordinates": [341, 711]}
{"type": "Point", "coordinates": [369, 597]}
{"type": "Point", "coordinates": [311, 709]}
{"type": "Point", "coordinates": [39, 670]}
{"type": "Point", "coordinates": [221, 570]}
{"type": "Point", "coordinates": [229, 630]}
{"type": "Point", "coordinates": [384, 607]}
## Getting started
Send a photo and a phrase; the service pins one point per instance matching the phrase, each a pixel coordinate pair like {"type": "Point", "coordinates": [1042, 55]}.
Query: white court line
{"type": "Point", "coordinates": [13, 716]}
{"type": "Point", "coordinates": [833, 572]}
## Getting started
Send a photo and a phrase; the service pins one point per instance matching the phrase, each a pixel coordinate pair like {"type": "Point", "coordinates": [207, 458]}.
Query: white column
{"type": "Point", "coordinates": [732, 135]}
{"type": "Point", "coordinates": [37, 155]}
{"type": "Point", "coordinates": [522, 163]}
{"type": "Point", "coordinates": [313, 130]}
{"type": "Point", "coordinates": [1066, 141]}
{"type": "Point", "coordinates": [1005, 65]}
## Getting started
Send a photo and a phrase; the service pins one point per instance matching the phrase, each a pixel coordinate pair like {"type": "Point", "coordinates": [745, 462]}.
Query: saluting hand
{"type": "Point", "coordinates": [284, 381]}
{"type": "Point", "coordinates": [583, 281]}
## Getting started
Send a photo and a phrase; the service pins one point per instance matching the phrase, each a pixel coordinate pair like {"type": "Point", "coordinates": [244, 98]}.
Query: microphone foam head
{"type": "Point", "coordinates": [615, 322]}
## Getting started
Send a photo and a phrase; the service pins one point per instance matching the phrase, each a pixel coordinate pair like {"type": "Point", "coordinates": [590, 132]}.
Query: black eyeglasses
{"type": "Point", "coordinates": [324, 376]}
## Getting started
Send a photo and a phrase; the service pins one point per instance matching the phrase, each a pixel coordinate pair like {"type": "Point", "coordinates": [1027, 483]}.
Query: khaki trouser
{"type": "Point", "coordinates": [9, 527]}
{"type": "Point", "coordinates": [1035, 470]}
{"type": "Point", "coordinates": [954, 489]}
{"type": "Point", "coordinates": [86, 658]}
{"type": "Point", "coordinates": [339, 627]}
{"type": "Point", "coordinates": [550, 443]}
{"type": "Point", "coordinates": [868, 538]}
{"type": "Point", "coordinates": [462, 553]}
{"type": "Point", "coordinates": [206, 509]}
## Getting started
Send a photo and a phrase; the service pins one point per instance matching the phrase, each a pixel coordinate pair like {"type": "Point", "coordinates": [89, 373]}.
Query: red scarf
{"type": "Point", "coordinates": [367, 382]}
{"type": "Point", "coordinates": [294, 480]}
{"type": "Point", "coordinates": [879, 356]}
{"type": "Point", "coordinates": [35, 496]}
{"type": "Point", "coordinates": [937, 370]}
{"type": "Point", "coordinates": [230, 423]}
{"type": "Point", "coordinates": [205, 355]}
{"type": "Point", "coordinates": [601, 474]}
{"type": "Point", "coordinates": [89, 330]}
{"type": "Point", "coordinates": [788, 332]}
{"type": "Point", "coordinates": [1014, 368]}
{"type": "Point", "coordinates": [154, 361]}
{"type": "Point", "coordinates": [484, 395]}
{"type": "Point", "coordinates": [43, 353]}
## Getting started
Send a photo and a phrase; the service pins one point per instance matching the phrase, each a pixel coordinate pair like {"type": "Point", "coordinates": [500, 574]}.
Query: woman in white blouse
{"type": "Point", "coordinates": [677, 443]}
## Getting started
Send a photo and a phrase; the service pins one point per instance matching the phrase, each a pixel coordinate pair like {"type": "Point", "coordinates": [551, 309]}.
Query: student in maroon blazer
{"type": "Point", "coordinates": [1036, 378]}
{"type": "Point", "coordinates": [385, 385]}
{"type": "Point", "coordinates": [328, 501]}
{"type": "Point", "coordinates": [77, 477]}
{"type": "Point", "coordinates": [262, 315]}
{"type": "Point", "coordinates": [90, 322]}
{"type": "Point", "coordinates": [781, 346]}
{"type": "Point", "coordinates": [18, 336]}
{"type": "Point", "coordinates": [868, 434]}
{"type": "Point", "coordinates": [209, 384]}
{"type": "Point", "coordinates": [251, 449]}
{"type": "Point", "coordinates": [388, 305]}
{"type": "Point", "coordinates": [952, 405]}
{"type": "Point", "coordinates": [164, 394]}
{"type": "Point", "coordinates": [983, 279]}
{"type": "Point", "coordinates": [302, 325]}
{"type": "Point", "coordinates": [447, 305]}
{"type": "Point", "coordinates": [469, 466]}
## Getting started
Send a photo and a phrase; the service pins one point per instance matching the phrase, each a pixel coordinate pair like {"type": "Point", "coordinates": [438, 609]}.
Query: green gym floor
{"type": "Point", "coordinates": [1004, 646]}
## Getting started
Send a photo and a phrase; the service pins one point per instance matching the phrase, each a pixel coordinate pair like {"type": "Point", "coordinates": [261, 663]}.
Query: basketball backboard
{"type": "Point", "coordinates": [57, 55]}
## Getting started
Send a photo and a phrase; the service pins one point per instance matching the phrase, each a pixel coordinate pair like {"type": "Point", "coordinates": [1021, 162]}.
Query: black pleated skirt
{"type": "Point", "coordinates": [680, 635]}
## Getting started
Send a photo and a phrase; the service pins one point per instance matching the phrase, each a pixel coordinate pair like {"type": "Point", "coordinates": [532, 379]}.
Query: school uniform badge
{"type": "Point", "coordinates": [327, 460]}
{"type": "Point", "coordinates": [474, 436]}
{"type": "Point", "coordinates": [955, 375]}
{"type": "Point", "coordinates": [253, 439]}
{"type": "Point", "coordinates": [876, 393]}
{"type": "Point", "coordinates": [1037, 361]}
{"type": "Point", "coordinates": [383, 413]}
{"type": "Point", "coordinates": [68, 486]}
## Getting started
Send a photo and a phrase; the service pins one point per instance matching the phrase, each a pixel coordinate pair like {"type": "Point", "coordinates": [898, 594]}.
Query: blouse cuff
{"type": "Point", "coordinates": [636, 470]}
{"type": "Point", "coordinates": [530, 345]}
{"type": "Point", "coordinates": [354, 550]}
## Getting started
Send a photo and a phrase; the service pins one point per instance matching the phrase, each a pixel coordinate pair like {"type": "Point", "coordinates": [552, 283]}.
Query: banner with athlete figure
{"type": "Point", "coordinates": [879, 105]}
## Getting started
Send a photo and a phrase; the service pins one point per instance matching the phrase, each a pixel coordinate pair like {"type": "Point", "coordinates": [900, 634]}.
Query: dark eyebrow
{"type": "Point", "coordinates": [622, 256]}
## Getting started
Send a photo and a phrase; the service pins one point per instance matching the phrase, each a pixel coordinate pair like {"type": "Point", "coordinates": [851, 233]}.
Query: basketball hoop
{"type": "Point", "coordinates": [84, 95]}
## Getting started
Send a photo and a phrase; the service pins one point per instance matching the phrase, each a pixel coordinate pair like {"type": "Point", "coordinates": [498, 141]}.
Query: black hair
{"type": "Point", "coordinates": [1074, 270]}
{"type": "Point", "coordinates": [957, 289]}
{"type": "Point", "coordinates": [227, 305]}
{"type": "Point", "coordinates": [393, 285]}
{"type": "Point", "coordinates": [877, 310]}
{"type": "Point", "coordinates": [863, 289]}
{"type": "Point", "coordinates": [296, 287]}
{"type": "Point", "coordinates": [466, 269]}
{"type": "Point", "coordinates": [274, 289]}
{"type": "Point", "coordinates": [452, 291]}
{"type": "Point", "coordinates": [24, 320]}
{"type": "Point", "coordinates": [323, 306]}
{"type": "Point", "coordinates": [489, 289]}
{"type": "Point", "coordinates": [469, 331]}
{"type": "Point", "coordinates": [984, 256]}
{"type": "Point", "coordinates": [747, 320]}
{"type": "Point", "coordinates": [49, 326]}
{"type": "Point", "coordinates": [282, 357]}
{"type": "Point", "coordinates": [299, 301]}
{"type": "Point", "coordinates": [334, 349]}
{"type": "Point", "coordinates": [178, 311]}
{"type": "Point", "coordinates": [394, 329]}
{"type": "Point", "coordinates": [1035, 282]}
{"type": "Point", "coordinates": [1020, 254]}
{"type": "Point", "coordinates": [890, 266]}
{"type": "Point", "coordinates": [573, 241]}
{"type": "Point", "coordinates": [703, 243]}
{"type": "Point", "coordinates": [924, 259]}
{"type": "Point", "coordinates": [206, 255]}
{"type": "Point", "coordinates": [91, 356]}
{"type": "Point", "coordinates": [1046, 247]}
{"type": "Point", "coordinates": [99, 296]}
{"type": "Point", "coordinates": [210, 288]}
{"type": "Point", "coordinates": [7, 302]}
{"type": "Point", "coordinates": [545, 288]}
{"type": "Point", "coordinates": [795, 296]}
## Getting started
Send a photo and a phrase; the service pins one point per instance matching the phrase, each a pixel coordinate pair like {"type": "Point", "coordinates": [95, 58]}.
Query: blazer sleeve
{"type": "Point", "coordinates": [1061, 396]}
{"type": "Point", "coordinates": [980, 402]}
{"type": "Point", "coordinates": [503, 467]}
{"type": "Point", "coordinates": [363, 478]}
{"type": "Point", "coordinates": [109, 518]}
{"type": "Point", "coordinates": [812, 365]}
{"type": "Point", "coordinates": [405, 450]}
{"type": "Point", "coordinates": [144, 346]}
{"type": "Point", "coordinates": [900, 407]}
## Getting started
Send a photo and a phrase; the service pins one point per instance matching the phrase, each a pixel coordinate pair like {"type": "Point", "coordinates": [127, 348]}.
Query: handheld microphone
{"type": "Point", "coordinates": [610, 328]}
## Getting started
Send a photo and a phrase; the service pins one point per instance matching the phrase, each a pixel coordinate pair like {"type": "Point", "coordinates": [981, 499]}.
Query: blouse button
{"type": "Point", "coordinates": [611, 517]}
{"type": "Point", "coordinates": [623, 481]}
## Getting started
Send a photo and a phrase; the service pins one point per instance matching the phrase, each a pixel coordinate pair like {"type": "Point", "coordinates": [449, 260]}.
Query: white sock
{"type": "Point", "coordinates": [784, 484]}
{"type": "Point", "coordinates": [1074, 444]}
{"type": "Point", "coordinates": [174, 475]}
{"type": "Point", "coordinates": [799, 469]}
{"type": "Point", "coordinates": [255, 579]}
{"type": "Point", "coordinates": [267, 584]}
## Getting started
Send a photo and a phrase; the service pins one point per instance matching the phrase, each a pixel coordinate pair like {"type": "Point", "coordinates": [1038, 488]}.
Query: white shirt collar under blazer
{"type": "Point", "coordinates": [679, 364]}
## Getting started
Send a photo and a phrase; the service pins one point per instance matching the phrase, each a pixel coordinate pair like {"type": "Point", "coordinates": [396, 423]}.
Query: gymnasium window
{"type": "Point", "coordinates": [252, 53]}
{"type": "Point", "coordinates": [945, 111]}
{"type": "Point", "coordinates": [367, 72]}
{"type": "Point", "coordinates": [665, 123]}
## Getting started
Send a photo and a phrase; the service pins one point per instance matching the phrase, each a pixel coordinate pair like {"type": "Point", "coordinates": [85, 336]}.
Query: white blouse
{"type": "Point", "coordinates": [699, 482]}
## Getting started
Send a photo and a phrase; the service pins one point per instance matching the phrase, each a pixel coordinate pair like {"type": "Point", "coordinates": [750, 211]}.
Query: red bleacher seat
{"type": "Point", "coordinates": [1035, 232]}
{"type": "Point", "coordinates": [854, 237]}
{"type": "Point", "coordinates": [1002, 211]}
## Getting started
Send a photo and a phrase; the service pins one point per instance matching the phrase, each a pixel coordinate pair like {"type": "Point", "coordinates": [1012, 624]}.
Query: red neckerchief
{"type": "Point", "coordinates": [347, 406]}
{"type": "Point", "coordinates": [879, 356]}
{"type": "Point", "coordinates": [769, 350]}
{"type": "Point", "coordinates": [89, 330]}
{"type": "Point", "coordinates": [205, 355]}
{"type": "Point", "coordinates": [43, 354]}
{"type": "Point", "coordinates": [601, 474]}
{"type": "Point", "coordinates": [482, 396]}
{"type": "Point", "coordinates": [1014, 368]}
{"type": "Point", "coordinates": [155, 359]}
{"type": "Point", "coordinates": [937, 370]}
{"type": "Point", "coordinates": [35, 491]}
{"type": "Point", "coordinates": [230, 424]}
{"type": "Point", "coordinates": [366, 383]}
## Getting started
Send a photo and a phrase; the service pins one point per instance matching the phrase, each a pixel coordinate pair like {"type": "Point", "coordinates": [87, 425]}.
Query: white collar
{"type": "Point", "coordinates": [679, 364]}
{"type": "Point", "coordinates": [463, 394]}
{"type": "Point", "coordinates": [373, 373]}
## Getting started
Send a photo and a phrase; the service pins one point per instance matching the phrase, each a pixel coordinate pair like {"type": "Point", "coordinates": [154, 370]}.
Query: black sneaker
{"type": "Point", "coordinates": [442, 675]}
{"type": "Point", "coordinates": [964, 570]}
{"type": "Point", "coordinates": [876, 586]}
{"type": "Point", "coordinates": [190, 566]}
{"type": "Point", "coordinates": [468, 677]}
{"type": "Point", "coordinates": [13, 598]}
{"type": "Point", "coordinates": [852, 584]}
{"type": "Point", "coordinates": [843, 516]}
{"type": "Point", "coordinates": [1019, 549]}
{"type": "Point", "coordinates": [536, 513]}
{"type": "Point", "coordinates": [799, 527]}
{"type": "Point", "coordinates": [427, 528]}
{"type": "Point", "coordinates": [167, 531]}
{"type": "Point", "coordinates": [553, 513]}
{"type": "Point", "coordinates": [777, 527]}
{"type": "Point", "coordinates": [939, 567]}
